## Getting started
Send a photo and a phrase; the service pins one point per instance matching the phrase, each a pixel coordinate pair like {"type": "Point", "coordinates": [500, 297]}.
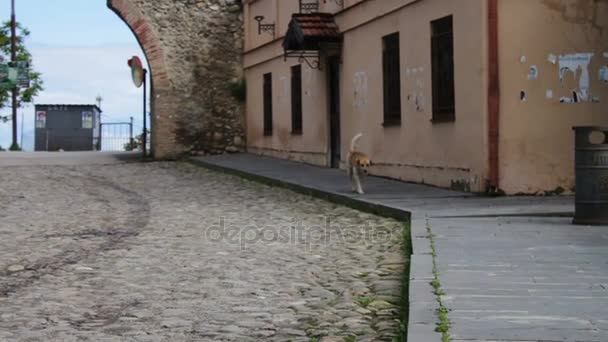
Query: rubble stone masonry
{"type": "Point", "coordinates": [194, 51]}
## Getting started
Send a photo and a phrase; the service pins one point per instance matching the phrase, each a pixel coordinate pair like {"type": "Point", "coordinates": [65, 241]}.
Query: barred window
{"type": "Point", "coordinates": [391, 79]}
{"type": "Point", "coordinates": [267, 104]}
{"type": "Point", "coordinates": [296, 99]}
{"type": "Point", "coordinates": [444, 107]}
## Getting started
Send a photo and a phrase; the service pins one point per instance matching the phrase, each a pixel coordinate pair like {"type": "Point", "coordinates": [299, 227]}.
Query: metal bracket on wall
{"type": "Point", "coordinates": [311, 58]}
{"type": "Point", "coordinates": [338, 2]}
{"type": "Point", "coordinates": [308, 6]}
{"type": "Point", "coordinates": [269, 28]}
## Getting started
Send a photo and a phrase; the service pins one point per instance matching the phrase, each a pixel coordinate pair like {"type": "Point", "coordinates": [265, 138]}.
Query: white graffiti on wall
{"type": "Point", "coordinates": [360, 82]}
{"type": "Point", "coordinates": [308, 80]}
{"type": "Point", "coordinates": [572, 64]}
{"type": "Point", "coordinates": [417, 94]}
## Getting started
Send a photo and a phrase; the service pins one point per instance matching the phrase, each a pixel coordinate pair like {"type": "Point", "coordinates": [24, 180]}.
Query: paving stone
{"type": "Point", "coordinates": [173, 252]}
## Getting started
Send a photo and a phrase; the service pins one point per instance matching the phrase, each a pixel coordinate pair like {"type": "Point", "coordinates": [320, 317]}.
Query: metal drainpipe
{"type": "Point", "coordinates": [493, 185]}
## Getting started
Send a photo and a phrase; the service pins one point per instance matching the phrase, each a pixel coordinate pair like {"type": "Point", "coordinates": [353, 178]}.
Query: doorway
{"type": "Point", "coordinates": [334, 110]}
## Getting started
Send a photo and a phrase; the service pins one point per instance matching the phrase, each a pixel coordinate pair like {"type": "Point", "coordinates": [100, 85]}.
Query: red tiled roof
{"type": "Point", "coordinates": [307, 31]}
{"type": "Point", "coordinates": [317, 25]}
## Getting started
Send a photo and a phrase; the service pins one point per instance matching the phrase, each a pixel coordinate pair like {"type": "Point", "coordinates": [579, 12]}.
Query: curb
{"type": "Point", "coordinates": [372, 208]}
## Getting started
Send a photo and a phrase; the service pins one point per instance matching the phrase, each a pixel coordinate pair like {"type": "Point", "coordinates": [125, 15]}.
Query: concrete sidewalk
{"type": "Point", "coordinates": [510, 268]}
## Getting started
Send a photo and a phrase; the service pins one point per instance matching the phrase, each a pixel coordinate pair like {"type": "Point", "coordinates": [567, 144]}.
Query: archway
{"type": "Point", "coordinates": [194, 52]}
{"type": "Point", "coordinates": [150, 45]}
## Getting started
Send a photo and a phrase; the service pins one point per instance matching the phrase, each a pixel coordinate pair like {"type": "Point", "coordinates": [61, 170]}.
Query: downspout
{"type": "Point", "coordinates": [493, 186]}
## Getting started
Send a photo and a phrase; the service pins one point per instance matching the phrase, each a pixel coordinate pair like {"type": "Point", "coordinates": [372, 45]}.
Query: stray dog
{"type": "Point", "coordinates": [358, 165]}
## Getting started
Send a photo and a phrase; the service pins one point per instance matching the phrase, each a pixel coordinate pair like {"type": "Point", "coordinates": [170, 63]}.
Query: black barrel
{"type": "Point", "coordinates": [591, 175]}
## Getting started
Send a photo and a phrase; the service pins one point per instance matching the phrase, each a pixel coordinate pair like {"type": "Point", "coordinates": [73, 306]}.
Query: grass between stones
{"type": "Point", "coordinates": [443, 326]}
{"type": "Point", "coordinates": [405, 280]}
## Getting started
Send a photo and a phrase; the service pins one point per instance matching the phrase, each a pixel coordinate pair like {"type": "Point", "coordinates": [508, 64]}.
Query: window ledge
{"type": "Point", "coordinates": [391, 123]}
{"type": "Point", "coordinates": [444, 119]}
{"type": "Point", "coordinates": [296, 132]}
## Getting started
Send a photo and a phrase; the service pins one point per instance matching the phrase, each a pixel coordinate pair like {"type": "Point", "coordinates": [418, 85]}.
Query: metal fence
{"type": "Point", "coordinates": [117, 136]}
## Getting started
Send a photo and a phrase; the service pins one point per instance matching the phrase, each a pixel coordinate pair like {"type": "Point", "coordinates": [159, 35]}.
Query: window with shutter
{"type": "Point", "coordinates": [444, 107]}
{"type": "Point", "coordinates": [296, 99]}
{"type": "Point", "coordinates": [267, 104]}
{"type": "Point", "coordinates": [391, 79]}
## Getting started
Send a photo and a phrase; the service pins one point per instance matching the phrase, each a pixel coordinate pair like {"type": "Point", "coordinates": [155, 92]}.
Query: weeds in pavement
{"type": "Point", "coordinates": [443, 326]}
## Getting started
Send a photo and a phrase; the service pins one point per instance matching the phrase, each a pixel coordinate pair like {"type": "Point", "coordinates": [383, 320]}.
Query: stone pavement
{"type": "Point", "coordinates": [65, 158]}
{"type": "Point", "coordinates": [173, 252]}
{"type": "Point", "coordinates": [510, 268]}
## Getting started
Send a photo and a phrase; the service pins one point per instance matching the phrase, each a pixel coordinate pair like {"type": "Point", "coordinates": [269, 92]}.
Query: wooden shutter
{"type": "Point", "coordinates": [296, 99]}
{"type": "Point", "coordinates": [268, 104]}
{"type": "Point", "coordinates": [444, 107]}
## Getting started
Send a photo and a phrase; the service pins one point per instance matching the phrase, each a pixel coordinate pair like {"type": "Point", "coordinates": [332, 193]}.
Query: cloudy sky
{"type": "Point", "coordinates": [81, 48]}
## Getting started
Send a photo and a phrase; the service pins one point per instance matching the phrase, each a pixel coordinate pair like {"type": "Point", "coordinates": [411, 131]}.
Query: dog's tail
{"type": "Point", "coordinates": [353, 143]}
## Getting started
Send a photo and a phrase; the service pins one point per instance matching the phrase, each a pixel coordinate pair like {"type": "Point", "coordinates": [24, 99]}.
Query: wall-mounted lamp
{"type": "Point", "coordinates": [270, 28]}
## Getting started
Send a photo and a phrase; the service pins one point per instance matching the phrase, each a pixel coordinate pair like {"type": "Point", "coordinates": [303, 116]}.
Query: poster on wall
{"type": "Point", "coordinates": [41, 119]}
{"type": "Point", "coordinates": [87, 120]}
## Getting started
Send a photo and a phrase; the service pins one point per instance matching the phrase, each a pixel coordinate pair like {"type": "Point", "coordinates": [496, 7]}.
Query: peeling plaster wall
{"type": "Point", "coordinates": [566, 41]}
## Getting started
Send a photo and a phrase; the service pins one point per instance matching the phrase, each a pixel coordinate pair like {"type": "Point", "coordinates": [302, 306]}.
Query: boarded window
{"type": "Point", "coordinates": [268, 104]}
{"type": "Point", "coordinates": [296, 99]}
{"type": "Point", "coordinates": [391, 79]}
{"type": "Point", "coordinates": [442, 52]}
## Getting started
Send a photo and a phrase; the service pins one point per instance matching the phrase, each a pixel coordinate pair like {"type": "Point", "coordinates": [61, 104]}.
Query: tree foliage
{"type": "Point", "coordinates": [25, 95]}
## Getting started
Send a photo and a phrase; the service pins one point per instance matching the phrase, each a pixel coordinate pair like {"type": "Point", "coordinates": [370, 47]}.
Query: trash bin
{"type": "Point", "coordinates": [591, 161]}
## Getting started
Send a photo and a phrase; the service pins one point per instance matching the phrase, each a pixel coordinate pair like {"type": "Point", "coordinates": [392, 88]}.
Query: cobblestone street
{"type": "Point", "coordinates": [172, 252]}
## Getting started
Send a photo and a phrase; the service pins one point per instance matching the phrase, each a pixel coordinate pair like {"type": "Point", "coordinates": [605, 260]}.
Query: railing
{"type": "Point", "coordinates": [309, 6]}
{"type": "Point", "coordinates": [117, 136]}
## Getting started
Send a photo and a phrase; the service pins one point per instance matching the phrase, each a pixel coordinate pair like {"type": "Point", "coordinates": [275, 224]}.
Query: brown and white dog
{"type": "Point", "coordinates": [358, 165]}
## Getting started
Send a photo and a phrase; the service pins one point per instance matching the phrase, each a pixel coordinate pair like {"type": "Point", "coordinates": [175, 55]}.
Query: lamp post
{"type": "Point", "coordinates": [144, 139]}
{"type": "Point", "coordinates": [14, 59]}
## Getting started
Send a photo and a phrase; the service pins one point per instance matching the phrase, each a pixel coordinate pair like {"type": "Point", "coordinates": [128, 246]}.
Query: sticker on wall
{"type": "Point", "coordinates": [87, 120]}
{"type": "Point", "coordinates": [549, 94]}
{"type": "Point", "coordinates": [523, 59]}
{"type": "Point", "coordinates": [604, 74]}
{"type": "Point", "coordinates": [523, 97]}
{"type": "Point", "coordinates": [533, 73]}
{"type": "Point", "coordinates": [552, 58]}
{"type": "Point", "coordinates": [595, 99]}
{"type": "Point", "coordinates": [605, 54]}
{"type": "Point", "coordinates": [41, 119]}
{"type": "Point", "coordinates": [573, 63]}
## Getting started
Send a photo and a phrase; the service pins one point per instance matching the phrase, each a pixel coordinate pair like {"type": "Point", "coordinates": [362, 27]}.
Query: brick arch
{"type": "Point", "coordinates": [150, 45]}
{"type": "Point", "coordinates": [147, 39]}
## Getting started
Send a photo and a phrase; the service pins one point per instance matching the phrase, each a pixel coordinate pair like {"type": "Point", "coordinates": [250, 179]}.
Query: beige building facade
{"type": "Point", "coordinates": [475, 95]}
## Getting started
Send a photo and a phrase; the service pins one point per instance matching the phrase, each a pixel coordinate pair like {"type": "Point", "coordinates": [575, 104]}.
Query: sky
{"type": "Point", "coordinates": [81, 48]}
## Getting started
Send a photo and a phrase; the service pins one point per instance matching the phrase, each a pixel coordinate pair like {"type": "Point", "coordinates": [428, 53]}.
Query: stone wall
{"type": "Point", "coordinates": [194, 50]}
